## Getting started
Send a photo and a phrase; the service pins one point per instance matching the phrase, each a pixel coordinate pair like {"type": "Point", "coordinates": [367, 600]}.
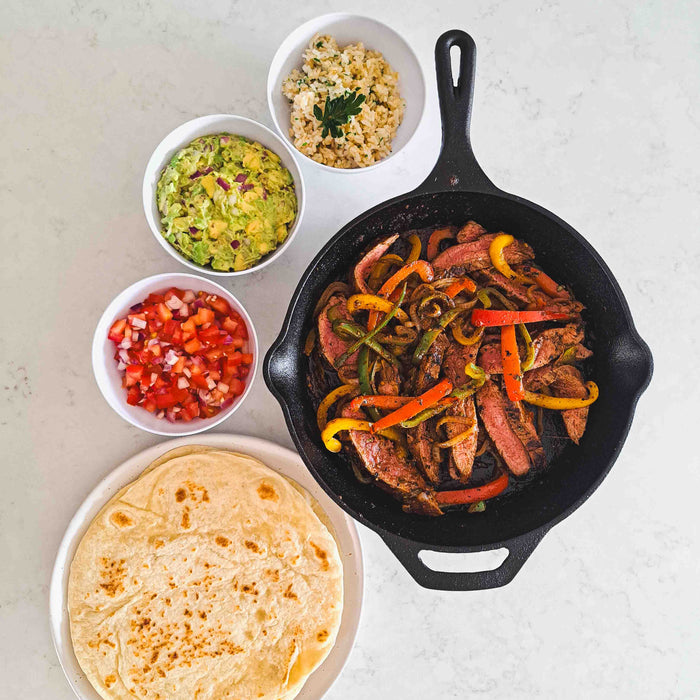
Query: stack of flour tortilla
{"type": "Point", "coordinates": [211, 576]}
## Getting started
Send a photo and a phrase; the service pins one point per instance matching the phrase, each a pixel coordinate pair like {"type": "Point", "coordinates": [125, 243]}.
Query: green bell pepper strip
{"type": "Point", "coordinates": [363, 380]}
{"type": "Point", "coordinates": [429, 337]}
{"type": "Point", "coordinates": [368, 336]}
{"type": "Point", "coordinates": [345, 328]}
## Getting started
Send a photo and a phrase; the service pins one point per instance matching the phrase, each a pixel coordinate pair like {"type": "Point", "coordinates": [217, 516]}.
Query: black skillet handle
{"type": "Point", "coordinates": [456, 168]}
{"type": "Point", "coordinates": [519, 550]}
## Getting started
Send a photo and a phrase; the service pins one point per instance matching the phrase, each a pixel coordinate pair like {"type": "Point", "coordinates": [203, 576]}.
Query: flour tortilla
{"type": "Point", "coordinates": [208, 577]}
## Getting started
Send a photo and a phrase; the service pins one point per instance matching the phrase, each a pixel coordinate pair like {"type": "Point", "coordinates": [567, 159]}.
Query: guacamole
{"type": "Point", "coordinates": [226, 202]}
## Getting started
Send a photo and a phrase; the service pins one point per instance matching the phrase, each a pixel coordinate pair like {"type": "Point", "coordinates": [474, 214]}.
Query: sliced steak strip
{"type": "Point", "coordinates": [492, 410]}
{"type": "Point", "coordinates": [363, 268]}
{"type": "Point", "coordinates": [548, 345]}
{"type": "Point", "coordinates": [420, 442]}
{"type": "Point", "coordinates": [522, 424]}
{"type": "Point", "coordinates": [513, 289]}
{"type": "Point", "coordinates": [470, 232]}
{"type": "Point", "coordinates": [396, 475]}
{"type": "Point", "coordinates": [457, 357]}
{"type": "Point", "coordinates": [564, 381]}
{"type": "Point", "coordinates": [428, 372]}
{"type": "Point", "coordinates": [475, 254]}
{"type": "Point", "coordinates": [332, 346]}
{"type": "Point", "coordinates": [462, 455]}
{"type": "Point", "coordinates": [389, 379]}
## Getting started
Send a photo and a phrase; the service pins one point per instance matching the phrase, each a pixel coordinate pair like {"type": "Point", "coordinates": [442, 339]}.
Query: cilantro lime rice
{"type": "Point", "coordinates": [225, 202]}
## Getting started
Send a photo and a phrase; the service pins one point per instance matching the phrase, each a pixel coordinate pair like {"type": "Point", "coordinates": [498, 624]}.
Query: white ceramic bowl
{"type": "Point", "coordinates": [348, 29]}
{"type": "Point", "coordinates": [109, 378]}
{"type": "Point", "coordinates": [204, 126]}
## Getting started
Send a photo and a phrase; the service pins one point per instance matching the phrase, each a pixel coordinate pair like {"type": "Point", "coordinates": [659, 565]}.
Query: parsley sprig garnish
{"type": "Point", "coordinates": [337, 112]}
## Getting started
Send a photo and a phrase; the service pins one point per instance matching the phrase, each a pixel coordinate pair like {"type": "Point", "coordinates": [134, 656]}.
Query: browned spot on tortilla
{"type": "Point", "coordinates": [252, 546]}
{"type": "Point", "coordinates": [267, 492]}
{"type": "Point", "coordinates": [223, 541]}
{"type": "Point", "coordinates": [274, 574]}
{"type": "Point", "coordinates": [250, 588]}
{"type": "Point", "coordinates": [202, 614]}
{"type": "Point", "coordinates": [180, 495]}
{"type": "Point", "coordinates": [187, 613]}
{"type": "Point", "coordinates": [110, 680]}
{"type": "Point", "coordinates": [154, 656]}
{"type": "Point", "coordinates": [186, 518]}
{"type": "Point", "coordinates": [158, 544]}
{"type": "Point", "coordinates": [322, 635]}
{"type": "Point", "coordinates": [322, 555]}
{"type": "Point", "coordinates": [113, 575]}
{"type": "Point", "coordinates": [121, 519]}
{"type": "Point", "coordinates": [290, 594]}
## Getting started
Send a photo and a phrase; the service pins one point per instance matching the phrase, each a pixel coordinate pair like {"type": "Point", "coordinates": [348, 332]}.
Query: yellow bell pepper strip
{"type": "Point", "coordinates": [329, 400]}
{"type": "Point", "coordinates": [425, 400]}
{"type": "Point", "coordinates": [379, 401]}
{"type": "Point", "coordinates": [462, 339]}
{"type": "Point", "coordinates": [368, 336]}
{"type": "Point", "coordinates": [476, 373]}
{"type": "Point", "coordinates": [496, 317]}
{"type": "Point", "coordinates": [464, 284]}
{"type": "Point", "coordinates": [381, 266]}
{"type": "Point", "coordinates": [498, 259]}
{"type": "Point", "coordinates": [345, 329]}
{"type": "Point", "coordinates": [473, 495]}
{"type": "Point", "coordinates": [416, 248]}
{"type": "Point", "coordinates": [484, 296]}
{"type": "Point", "coordinates": [430, 336]}
{"type": "Point", "coordinates": [420, 267]}
{"type": "Point", "coordinates": [371, 302]}
{"type": "Point", "coordinates": [457, 439]}
{"type": "Point", "coordinates": [436, 237]}
{"type": "Point", "coordinates": [560, 403]}
{"type": "Point", "coordinates": [337, 425]}
{"type": "Point", "coordinates": [512, 376]}
{"type": "Point", "coordinates": [310, 342]}
{"type": "Point", "coordinates": [530, 348]}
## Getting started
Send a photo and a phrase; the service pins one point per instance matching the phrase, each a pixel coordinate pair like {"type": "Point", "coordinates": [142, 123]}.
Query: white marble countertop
{"type": "Point", "coordinates": [590, 109]}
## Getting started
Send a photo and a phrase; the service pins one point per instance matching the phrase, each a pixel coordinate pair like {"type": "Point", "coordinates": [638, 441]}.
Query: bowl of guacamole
{"type": "Point", "coordinates": [223, 201]}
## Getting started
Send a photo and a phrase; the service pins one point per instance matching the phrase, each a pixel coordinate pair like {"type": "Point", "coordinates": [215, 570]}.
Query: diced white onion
{"type": "Point", "coordinates": [125, 344]}
{"type": "Point", "coordinates": [188, 296]}
{"type": "Point", "coordinates": [182, 383]}
{"type": "Point", "coordinates": [186, 372]}
{"type": "Point", "coordinates": [174, 302]}
{"type": "Point", "coordinates": [124, 356]}
{"type": "Point", "coordinates": [184, 311]}
{"type": "Point", "coordinates": [223, 388]}
{"type": "Point", "coordinates": [137, 322]}
{"type": "Point", "coordinates": [211, 383]}
{"type": "Point", "coordinates": [154, 376]}
{"type": "Point", "coordinates": [121, 366]}
{"type": "Point", "coordinates": [171, 357]}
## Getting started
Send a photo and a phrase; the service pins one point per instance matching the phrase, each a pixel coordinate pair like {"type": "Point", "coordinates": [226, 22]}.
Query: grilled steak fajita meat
{"type": "Point", "coordinates": [448, 320]}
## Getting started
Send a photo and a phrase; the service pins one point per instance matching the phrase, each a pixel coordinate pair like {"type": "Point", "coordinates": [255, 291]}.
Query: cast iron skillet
{"type": "Point", "coordinates": [457, 190]}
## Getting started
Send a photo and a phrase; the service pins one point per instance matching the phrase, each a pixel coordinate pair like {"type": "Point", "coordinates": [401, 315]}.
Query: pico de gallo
{"type": "Point", "coordinates": [184, 354]}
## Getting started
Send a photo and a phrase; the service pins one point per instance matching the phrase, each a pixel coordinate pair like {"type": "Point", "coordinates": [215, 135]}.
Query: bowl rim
{"type": "Point", "coordinates": [148, 192]}
{"type": "Point", "coordinates": [100, 338]}
{"type": "Point", "coordinates": [271, 88]}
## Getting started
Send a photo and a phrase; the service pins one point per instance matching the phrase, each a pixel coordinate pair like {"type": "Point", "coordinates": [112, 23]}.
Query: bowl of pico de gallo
{"type": "Point", "coordinates": [175, 354]}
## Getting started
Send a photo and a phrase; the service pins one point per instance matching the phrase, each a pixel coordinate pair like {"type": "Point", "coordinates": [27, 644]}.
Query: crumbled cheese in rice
{"type": "Point", "coordinates": [329, 71]}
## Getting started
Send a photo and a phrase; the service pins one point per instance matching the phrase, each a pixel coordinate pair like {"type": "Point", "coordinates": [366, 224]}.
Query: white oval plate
{"type": "Point", "coordinates": [278, 458]}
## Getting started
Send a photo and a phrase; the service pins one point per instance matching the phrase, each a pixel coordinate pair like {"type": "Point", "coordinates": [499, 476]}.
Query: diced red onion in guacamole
{"type": "Point", "coordinates": [223, 184]}
{"type": "Point", "coordinates": [241, 177]}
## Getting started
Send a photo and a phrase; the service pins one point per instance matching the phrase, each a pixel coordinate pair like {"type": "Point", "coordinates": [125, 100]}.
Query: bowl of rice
{"type": "Point", "coordinates": [346, 92]}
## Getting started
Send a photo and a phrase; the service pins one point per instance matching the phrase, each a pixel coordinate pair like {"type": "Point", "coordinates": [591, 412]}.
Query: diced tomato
{"type": "Point", "coordinates": [133, 374]}
{"type": "Point", "coordinates": [214, 370]}
{"type": "Point", "coordinates": [218, 304]}
{"type": "Point", "coordinates": [116, 332]}
{"type": "Point", "coordinates": [164, 312]}
{"type": "Point", "coordinates": [192, 346]}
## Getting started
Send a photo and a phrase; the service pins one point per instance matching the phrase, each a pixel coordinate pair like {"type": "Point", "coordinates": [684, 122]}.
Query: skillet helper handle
{"type": "Point", "coordinates": [456, 168]}
{"type": "Point", "coordinates": [519, 550]}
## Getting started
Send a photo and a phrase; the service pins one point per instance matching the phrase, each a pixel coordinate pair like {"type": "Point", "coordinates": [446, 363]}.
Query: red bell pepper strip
{"type": "Point", "coordinates": [473, 495]}
{"type": "Point", "coordinates": [456, 287]}
{"type": "Point", "coordinates": [430, 397]}
{"type": "Point", "coordinates": [436, 237]}
{"type": "Point", "coordinates": [512, 375]}
{"type": "Point", "coordinates": [421, 267]}
{"type": "Point", "coordinates": [380, 401]}
{"type": "Point", "coordinates": [496, 317]}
